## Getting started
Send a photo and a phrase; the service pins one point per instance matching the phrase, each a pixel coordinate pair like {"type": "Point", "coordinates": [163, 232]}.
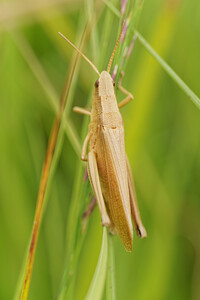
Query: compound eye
{"type": "Point", "coordinates": [96, 83]}
{"type": "Point", "coordinates": [113, 83]}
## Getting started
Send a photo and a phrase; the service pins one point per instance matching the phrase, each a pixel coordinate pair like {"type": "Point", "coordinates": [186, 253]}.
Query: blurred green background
{"type": "Point", "coordinates": [162, 140]}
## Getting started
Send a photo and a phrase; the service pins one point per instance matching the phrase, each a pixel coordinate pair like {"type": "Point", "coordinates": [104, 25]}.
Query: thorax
{"type": "Point", "coordinates": [105, 111]}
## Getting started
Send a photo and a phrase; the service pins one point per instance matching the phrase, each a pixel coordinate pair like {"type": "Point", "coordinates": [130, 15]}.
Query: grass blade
{"type": "Point", "coordinates": [110, 280]}
{"type": "Point", "coordinates": [39, 208]}
{"type": "Point", "coordinates": [192, 96]}
{"type": "Point", "coordinates": [97, 285]}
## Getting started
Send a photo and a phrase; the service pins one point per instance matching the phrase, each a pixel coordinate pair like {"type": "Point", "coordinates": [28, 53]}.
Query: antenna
{"type": "Point", "coordinates": [111, 59]}
{"type": "Point", "coordinates": [91, 64]}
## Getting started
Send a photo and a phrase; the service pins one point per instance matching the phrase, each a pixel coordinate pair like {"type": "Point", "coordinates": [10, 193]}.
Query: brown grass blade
{"type": "Point", "coordinates": [39, 207]}
{"type": "Point", "coordinates": [45, 175]}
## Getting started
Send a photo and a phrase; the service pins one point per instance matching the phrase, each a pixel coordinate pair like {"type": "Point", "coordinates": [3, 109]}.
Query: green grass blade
{"type": "Point", "coordinates": [110, 279]}
{"type": "Point", "coordinates": [113, 8]}
{"type": "Point", "coordinates": [97, 285]}
{"type": "Point", "coordinates": [192, 96]}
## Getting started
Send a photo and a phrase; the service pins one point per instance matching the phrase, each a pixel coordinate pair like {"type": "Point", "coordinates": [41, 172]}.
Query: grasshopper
{"type": "Point", "coordinates": [107, 163]}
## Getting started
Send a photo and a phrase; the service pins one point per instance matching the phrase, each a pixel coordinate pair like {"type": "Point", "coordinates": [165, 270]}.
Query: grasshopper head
{"type": "Point", "coordinates": [105, 84]}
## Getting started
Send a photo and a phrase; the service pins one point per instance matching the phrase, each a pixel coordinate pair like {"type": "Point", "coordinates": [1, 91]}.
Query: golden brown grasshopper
{"type": "Point", "coordinates": [108, 166]}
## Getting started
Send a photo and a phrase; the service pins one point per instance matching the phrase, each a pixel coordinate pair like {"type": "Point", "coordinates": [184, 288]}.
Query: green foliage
{"type": "Point", "coordinates": [162, 141]}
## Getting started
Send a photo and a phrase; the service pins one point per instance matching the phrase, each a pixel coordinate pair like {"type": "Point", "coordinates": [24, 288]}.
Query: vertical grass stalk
{"type": "Point", "coordinates": [110, 279]}
{"type": "Point", "coordinates": [98, 281]}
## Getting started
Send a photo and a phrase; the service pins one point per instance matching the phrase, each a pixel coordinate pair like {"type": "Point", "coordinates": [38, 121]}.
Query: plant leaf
{"type": "Point", "coordinates": [98, 281]}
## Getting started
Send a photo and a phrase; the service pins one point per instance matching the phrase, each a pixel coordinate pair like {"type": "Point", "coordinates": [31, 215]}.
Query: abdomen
{"type": "Point", "coordinates": [111, 161]}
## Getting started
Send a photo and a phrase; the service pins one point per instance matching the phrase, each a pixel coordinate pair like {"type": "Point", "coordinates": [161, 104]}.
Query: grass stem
{"type": "Point", "coordinates": [192, 96]}
{"type": "Point", "coordinates": [110, 279]}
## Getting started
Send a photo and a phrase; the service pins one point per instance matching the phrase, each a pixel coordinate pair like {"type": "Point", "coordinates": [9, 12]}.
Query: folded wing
{"type": "Point", "coordinates": [116, 192]}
